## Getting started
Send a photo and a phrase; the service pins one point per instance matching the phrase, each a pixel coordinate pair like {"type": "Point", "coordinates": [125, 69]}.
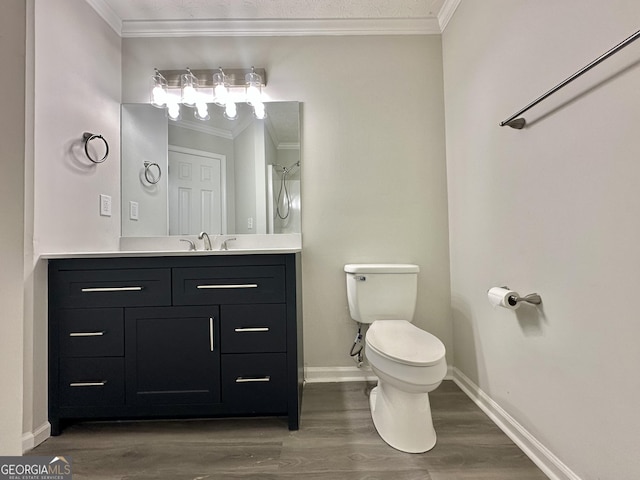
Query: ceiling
{"type": "Point", "coordinates": [140, 18]}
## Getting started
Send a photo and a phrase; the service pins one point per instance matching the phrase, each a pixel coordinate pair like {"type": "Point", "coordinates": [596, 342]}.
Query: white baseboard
{"type": "Point", "coordinates": [338, 374]}
{"type": "Point", "coordinates": [536, 451]}
{"type": "Point", "coordinates": [31, 440]}
{"type": "Point", "coordinates": [347, 374]}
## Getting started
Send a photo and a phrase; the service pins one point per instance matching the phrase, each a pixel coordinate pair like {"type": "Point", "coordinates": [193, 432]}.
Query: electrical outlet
{"type": "Point", "coordinates": [133, 210]}
{"type": "Point", "coordinates": [105, 205]}
{"type": "Point", "coordinates": [250, 223]}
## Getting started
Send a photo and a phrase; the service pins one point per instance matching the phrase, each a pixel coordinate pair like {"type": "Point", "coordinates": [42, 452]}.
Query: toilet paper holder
{"type": "Point", "coordinates": [532, 298]}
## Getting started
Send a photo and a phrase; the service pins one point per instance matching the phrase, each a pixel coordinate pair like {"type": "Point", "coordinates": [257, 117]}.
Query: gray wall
{"type": "Point", "coordinates": [373, 162]}
{"type": "Point", "coordinates": [551, 209]}
{"type": "Point", "coordinates": [12, 242]}
{"type": "Point", "coordinates": [144, 140]}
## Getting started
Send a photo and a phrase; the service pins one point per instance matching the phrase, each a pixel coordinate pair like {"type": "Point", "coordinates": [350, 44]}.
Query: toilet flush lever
{"type": "Point", "coordinates": [360, 278]}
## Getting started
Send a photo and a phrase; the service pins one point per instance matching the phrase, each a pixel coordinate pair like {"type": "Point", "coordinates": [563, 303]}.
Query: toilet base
{"type": "Point", "coordinates": [402, 419]}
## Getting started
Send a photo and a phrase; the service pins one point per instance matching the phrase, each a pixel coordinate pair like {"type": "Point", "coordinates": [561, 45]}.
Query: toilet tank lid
{"type": "Point", "coordinates": [381, 268]}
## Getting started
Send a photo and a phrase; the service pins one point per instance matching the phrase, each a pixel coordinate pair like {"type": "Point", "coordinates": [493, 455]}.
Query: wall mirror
{"type": "Point", "coordinates": [221, 176]}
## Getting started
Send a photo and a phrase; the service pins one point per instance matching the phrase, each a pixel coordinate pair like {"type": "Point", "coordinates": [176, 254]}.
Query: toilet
{"type": "Point", "coordinates": [408, 361]}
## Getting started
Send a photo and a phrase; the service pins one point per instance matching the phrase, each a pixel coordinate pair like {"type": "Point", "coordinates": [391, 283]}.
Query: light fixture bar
{"type": "Point", "coordinates": [235, 76]}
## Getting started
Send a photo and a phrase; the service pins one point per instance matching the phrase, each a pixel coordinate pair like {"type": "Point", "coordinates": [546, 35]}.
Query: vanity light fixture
{"type": "Point", "coordinates": [158, 90]}
{"type": "Point", "coordinates": [189, 88]}
{"type": "Point", "coordinates": [171, 89]}
{"type": "Point", "coordinates": [253, 85]}
{"type": "Point", "coordinates": [220, 88]}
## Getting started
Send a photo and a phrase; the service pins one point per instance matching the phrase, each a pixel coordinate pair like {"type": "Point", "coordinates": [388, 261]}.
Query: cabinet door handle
{"type": "Point", "coordinates": [252, 329]}
{"type": "Point", "coordinates": [87, 334]}
{"type": "Point", "coordinates": [211, 333]}
{"type": "Point", "coordinates": [111, 289]}
{"type": "Point", "coordinates": [240, 285]}
{"type": "Point", "coordinates": [266, 378]}
{"type": "Point", "coordinates": [88, 384]}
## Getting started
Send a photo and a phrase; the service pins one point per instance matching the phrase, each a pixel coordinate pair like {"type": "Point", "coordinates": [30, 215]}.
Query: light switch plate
{"type": "Point", "coordinates": [133, 210]}
{"type": "Point", "coordinates": [105, 205]}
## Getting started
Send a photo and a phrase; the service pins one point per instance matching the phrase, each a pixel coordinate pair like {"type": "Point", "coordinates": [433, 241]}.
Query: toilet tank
{"type": "Point", "coordinates": [381, 291]}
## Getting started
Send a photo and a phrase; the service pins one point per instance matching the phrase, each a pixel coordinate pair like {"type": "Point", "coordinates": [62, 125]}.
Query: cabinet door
{"type": "Point", "coordinates": [172, 355]}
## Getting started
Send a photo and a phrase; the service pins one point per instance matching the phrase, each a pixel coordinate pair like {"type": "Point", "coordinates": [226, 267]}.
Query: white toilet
{"type": "Point", "coordinates": [408, 361]}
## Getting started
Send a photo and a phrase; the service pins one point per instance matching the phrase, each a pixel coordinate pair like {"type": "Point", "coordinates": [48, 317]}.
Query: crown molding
{"type": "Point", "coordinates": [103, 9]}
{"type": "Point", "coordinates": [446, 13]}
{"type": "Point", "coordinates": [203, 128]}
{"type": "Point", "coordinates": [281, 27]}
{"type": "Point", "coordinates": [275, 27]}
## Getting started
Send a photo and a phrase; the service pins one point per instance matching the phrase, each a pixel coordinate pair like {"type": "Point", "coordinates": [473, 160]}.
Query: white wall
{"type": "Point", "coordinates": [552, 209]}
{"type": "Point", "coordinates": [74, 86]}
{"type": "Point", "coordinates": [77, 87]}
{"type": "Point", "coordinates": [12, 240]}
{"type": "Point", "coordinates": [373, 164]}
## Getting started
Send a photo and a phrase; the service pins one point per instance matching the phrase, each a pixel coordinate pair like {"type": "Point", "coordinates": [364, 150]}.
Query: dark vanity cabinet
{"type": "Point", "coordinates": [170, 337]}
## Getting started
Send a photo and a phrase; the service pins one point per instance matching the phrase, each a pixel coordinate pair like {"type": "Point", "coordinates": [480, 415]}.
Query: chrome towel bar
{"type": "Point", "coordinates": [515, 121]}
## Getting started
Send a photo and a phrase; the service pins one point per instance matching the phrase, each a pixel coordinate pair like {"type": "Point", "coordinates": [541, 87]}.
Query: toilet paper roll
{"type": "Point", "coordinates": [500, 297]}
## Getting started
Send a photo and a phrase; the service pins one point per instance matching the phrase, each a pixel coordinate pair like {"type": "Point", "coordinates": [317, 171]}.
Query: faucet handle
{"type": "Point", "coordinates": [192, 246]}
{"type": "Point", "coordinates": [223, 245]}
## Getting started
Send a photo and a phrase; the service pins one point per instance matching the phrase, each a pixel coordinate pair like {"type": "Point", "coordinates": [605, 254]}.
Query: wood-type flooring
{"type": "Point", "coordinates": [336, 441]}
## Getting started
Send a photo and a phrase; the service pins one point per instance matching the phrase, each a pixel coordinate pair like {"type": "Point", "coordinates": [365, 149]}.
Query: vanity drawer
{"type": "Point", "coordinates": [111, 288]}
{"type": "Point", "coordinates": [254, 382]}
{"type": "Point", "coordinates": [253, 328]}
{"type": "Point", "coordinates": [91, 332]}
{"type": "Point", "coordinates": [229, 285]}
{"type": "Point", "coordinates": [91, 381]}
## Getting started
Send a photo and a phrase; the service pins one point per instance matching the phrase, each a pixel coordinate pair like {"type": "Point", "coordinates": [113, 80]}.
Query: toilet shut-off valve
{"type": "Point", "coordinates": [356, 348]}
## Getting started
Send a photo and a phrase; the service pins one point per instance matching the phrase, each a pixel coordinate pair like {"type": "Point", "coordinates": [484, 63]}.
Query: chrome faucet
{"type": "Point", "coordinates": [207, 240]}
{"type": "Point", "coordinates": [223, 245]}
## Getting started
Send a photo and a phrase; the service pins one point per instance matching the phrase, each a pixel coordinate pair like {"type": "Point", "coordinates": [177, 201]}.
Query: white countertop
{"type": "Point", "coordinates": [173, 247]}
{"type": "Point", "coordinates": [167, 253]}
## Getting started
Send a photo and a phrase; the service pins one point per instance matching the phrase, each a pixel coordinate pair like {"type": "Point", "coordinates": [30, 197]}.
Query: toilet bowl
{"type": "Point", "coordinates": [408, 361]}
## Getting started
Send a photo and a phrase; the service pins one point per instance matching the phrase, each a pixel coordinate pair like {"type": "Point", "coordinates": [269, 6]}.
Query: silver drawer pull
{"type": "Point", "coordinates": [111, 289]}
{"type": "Point", "coordinates": [242, 285]}
{"type": "Point", "coordinates": [253, 379]}
{"type": "Point", "coordinates": [252, 329]}
{"type": "Point", "coordinates": [87, 334]}
{"type": "Point", "coordinates": [211, 333]}
{"type": "Point", "coordinates": [88, 384]}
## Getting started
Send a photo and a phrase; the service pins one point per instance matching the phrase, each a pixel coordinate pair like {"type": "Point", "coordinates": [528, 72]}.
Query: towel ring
{"type": "Point", "coordinates": [148, 175]}
{"type": "Point", "coordinates": [87, 137]}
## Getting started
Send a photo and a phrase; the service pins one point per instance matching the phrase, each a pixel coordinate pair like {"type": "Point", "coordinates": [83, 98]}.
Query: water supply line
{"type": "Point", "coordinates": [357, 347]}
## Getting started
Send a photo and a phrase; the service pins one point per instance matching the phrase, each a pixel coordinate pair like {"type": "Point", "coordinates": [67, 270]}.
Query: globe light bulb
{"type": "Point", "coordinates": [158, 96]}
{"type": "Point", "coordinates": [202, 111]}
{"type": "Point", "coordinates": [230, 111]}
{"type": "Point", "coordinates": [189, 85]}
{"type": "Point", "coordinates": [220, 89]}
{"type": "Point", "coordinates": [253, 84]}
{"type": "Point", "coordinates": [173, 110]}
{"type": "Point", "coordinates": [259, 111]}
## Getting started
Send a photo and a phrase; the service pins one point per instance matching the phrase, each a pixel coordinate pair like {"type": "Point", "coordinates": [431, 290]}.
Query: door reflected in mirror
{"type": "Point", "coordinates": [219, 176]}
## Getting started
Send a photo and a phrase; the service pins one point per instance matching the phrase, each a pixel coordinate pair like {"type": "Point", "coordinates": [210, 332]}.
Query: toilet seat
{"type": "Point", "coordinates": [403, 342]}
